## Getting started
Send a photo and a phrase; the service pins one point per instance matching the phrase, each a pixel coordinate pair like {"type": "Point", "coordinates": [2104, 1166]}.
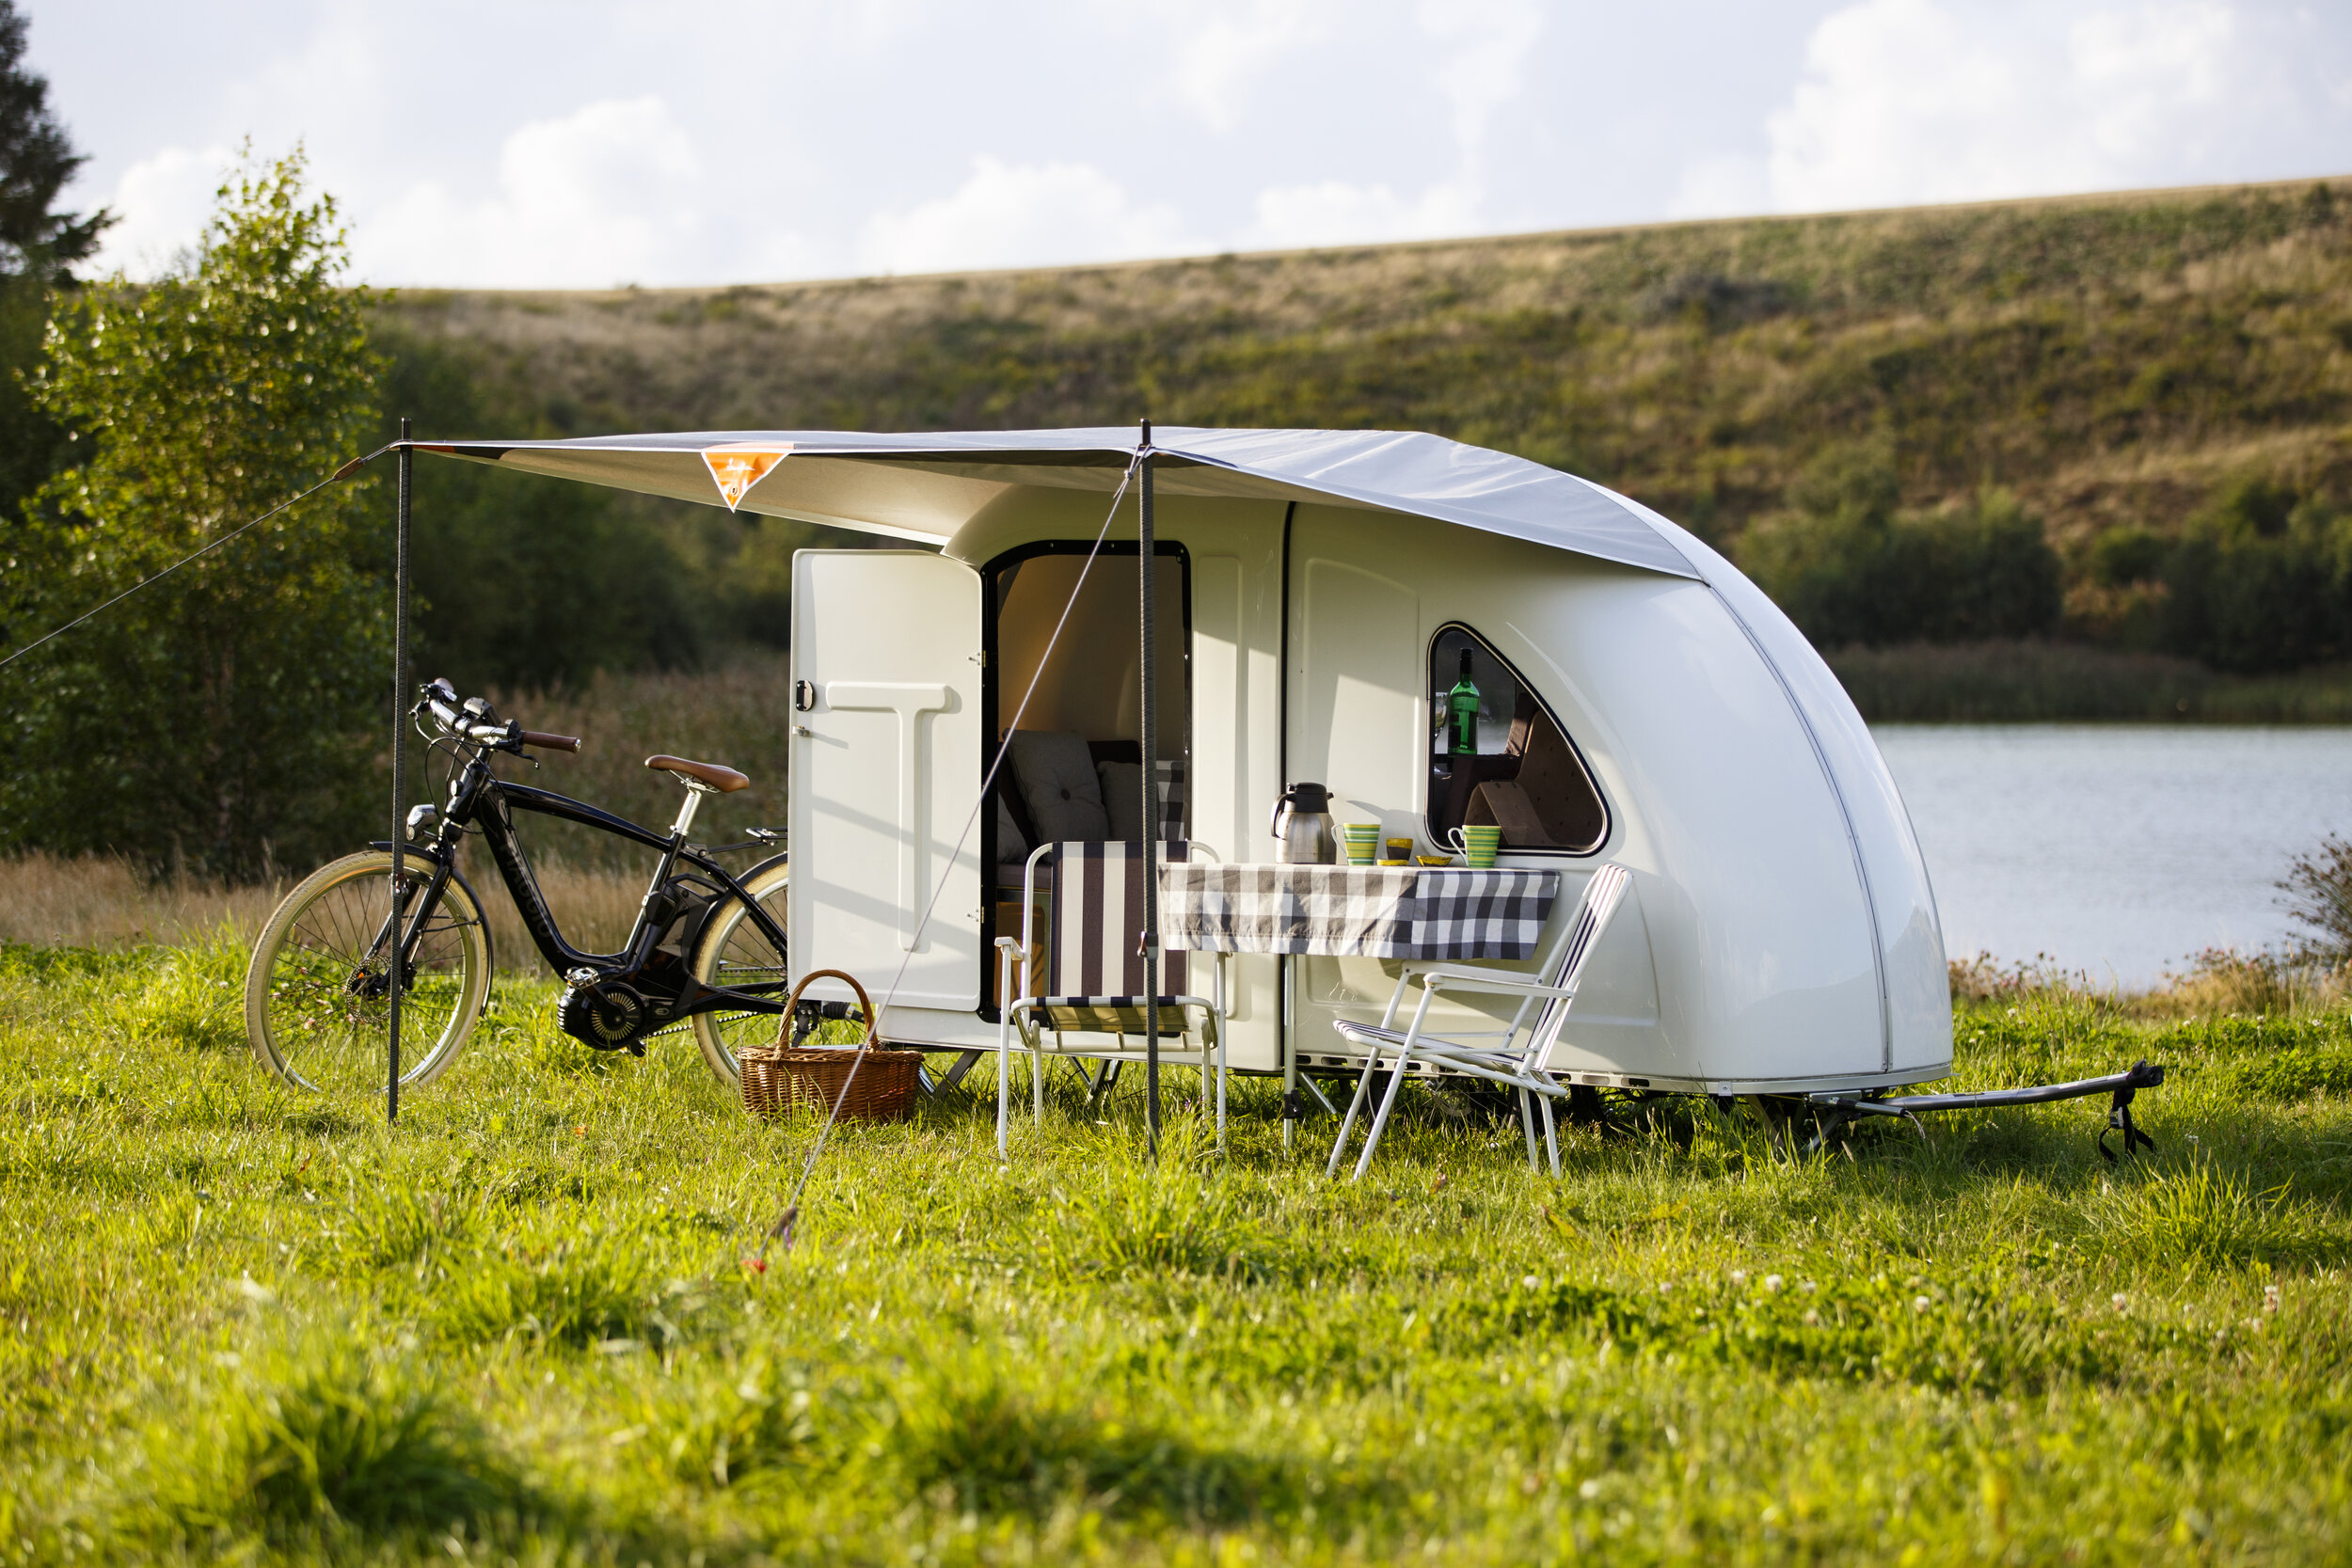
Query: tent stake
{"type": "Point", "coordinates": [397, 973]}
{"type": "Point", "coordinates": [1150, 814]}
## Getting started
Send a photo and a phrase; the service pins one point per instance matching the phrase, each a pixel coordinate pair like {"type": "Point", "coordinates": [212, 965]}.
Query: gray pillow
{"type": "Point", "coordinates": [1122, 798]}
{"type": "Point", "coordinates": [1056, 773]}
{"type": "Point", "coordinates": [1011, 848]}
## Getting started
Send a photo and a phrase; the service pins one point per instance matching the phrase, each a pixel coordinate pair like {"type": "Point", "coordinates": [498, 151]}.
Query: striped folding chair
{"type": "Point", "coordinates": [1514, 1056]}
{"type": "Point", "coordinates": [1090, 984]}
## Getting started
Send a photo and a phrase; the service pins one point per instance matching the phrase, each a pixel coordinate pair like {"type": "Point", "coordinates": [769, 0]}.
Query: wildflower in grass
{"type": "Point", "coordinates": [1812, 1319]}
{"type": "Point", "coordinates": [1771, 1283]}
{"type": "Point", "coordinates": [2121, 1302]}
{"type": "Point", "coordinates": [2270, 1298]}
{"type": "Point", "coordinates": [1738, 1277]}
{"type": "Point", "coordinates": [1808, 1286]}
{"type": "Point", "coordinates": [1920, 1304]}
{"type": "Point", "coordinates": [758, 1265]}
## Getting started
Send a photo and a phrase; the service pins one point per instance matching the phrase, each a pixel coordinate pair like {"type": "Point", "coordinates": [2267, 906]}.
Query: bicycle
{"type": "Point", "coordinates": [708, 950]}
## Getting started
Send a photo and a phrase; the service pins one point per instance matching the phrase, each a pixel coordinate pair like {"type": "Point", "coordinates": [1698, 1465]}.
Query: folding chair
{"type": "Point", "coordinates": [1093, 973]}
{"type": "Point", "coordinates": [1547, 995]}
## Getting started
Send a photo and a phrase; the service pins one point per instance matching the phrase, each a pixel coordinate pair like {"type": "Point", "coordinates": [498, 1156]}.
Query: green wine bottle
{"type": "Point", "coordinates": [1461, 706]}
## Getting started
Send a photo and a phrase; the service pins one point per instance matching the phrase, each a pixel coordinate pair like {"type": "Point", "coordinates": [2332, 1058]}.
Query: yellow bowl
{"type": "Point", "coordinates": [1394, 862]}
{"type": "Point", "coordinates": [1436, 860]}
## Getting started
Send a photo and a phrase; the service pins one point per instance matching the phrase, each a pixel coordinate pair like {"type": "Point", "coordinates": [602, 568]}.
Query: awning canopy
{"type": "Point", "coordinates": [926, 487]}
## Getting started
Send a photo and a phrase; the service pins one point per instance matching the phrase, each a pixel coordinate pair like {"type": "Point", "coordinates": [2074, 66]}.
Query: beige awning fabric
{"type": "Point", "coordinates": [926, 487]}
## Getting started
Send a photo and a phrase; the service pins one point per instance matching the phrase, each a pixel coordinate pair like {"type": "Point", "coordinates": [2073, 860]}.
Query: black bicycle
{"type": "Point", "coordinates": [708, 950]}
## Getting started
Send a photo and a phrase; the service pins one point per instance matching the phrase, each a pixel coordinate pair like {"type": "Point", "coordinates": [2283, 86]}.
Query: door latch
{"type": "Point", "coordinates": [804, 697]}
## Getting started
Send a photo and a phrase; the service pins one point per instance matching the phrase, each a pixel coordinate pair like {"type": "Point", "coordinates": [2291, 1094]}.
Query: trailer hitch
{"type": "Point", "coordinates": [2123, 1085]}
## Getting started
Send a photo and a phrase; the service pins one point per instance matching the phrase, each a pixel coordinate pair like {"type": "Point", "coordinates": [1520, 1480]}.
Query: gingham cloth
{"type": "Point", "coordinates": [1416, 913]}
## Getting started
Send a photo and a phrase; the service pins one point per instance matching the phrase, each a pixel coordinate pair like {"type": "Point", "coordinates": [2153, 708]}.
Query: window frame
{"type": "Point", "coordinates": [1429, 657]}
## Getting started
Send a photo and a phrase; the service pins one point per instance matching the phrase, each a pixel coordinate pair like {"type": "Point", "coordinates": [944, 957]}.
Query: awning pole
{"type": "Point", "coordinates": [1150, 816]}
{"type": "Point", "coordinates": [396, 970]}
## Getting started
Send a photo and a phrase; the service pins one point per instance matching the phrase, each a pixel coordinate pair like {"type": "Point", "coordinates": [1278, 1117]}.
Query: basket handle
{"type": "Point", "coordinates": [864, 1002]}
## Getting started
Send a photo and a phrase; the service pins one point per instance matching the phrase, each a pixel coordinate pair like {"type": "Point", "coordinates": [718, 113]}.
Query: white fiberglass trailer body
{"type": "Point", "coordinates": [1317, 589]}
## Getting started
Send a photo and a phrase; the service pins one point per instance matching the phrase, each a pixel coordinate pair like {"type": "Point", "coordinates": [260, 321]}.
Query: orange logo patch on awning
{"type": "Point", "coordinates": [738, 466]}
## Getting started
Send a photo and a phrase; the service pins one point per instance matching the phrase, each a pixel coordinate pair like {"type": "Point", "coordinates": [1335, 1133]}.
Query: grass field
{"type": "Point", "coordinates": [519, 1329]}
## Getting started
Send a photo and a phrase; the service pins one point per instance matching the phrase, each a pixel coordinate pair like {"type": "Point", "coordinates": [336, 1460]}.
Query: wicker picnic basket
{"type": "Point", "coordinates": [782, 1078]}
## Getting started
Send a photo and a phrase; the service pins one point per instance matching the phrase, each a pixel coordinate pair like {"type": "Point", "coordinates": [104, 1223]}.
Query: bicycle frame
{"type": "Point", "coordinates": [479, 797]}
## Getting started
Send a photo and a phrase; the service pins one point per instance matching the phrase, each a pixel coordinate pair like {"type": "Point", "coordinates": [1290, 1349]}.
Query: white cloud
{"type": "Point", "coordinates": [609, 194]}
{"type": "Point", "coordinates": [1220, 57]}
{"type": "Point", "coordinates": [160, 205]}
{"type": "Point", "coordinates": [1908, 101]}
{"type": "Point", "coordinates": [1023, 215]}
{"type": "Point", "coordinates": [1483, 75]}
{"type": "Point", "coordinates": [1331, 212]}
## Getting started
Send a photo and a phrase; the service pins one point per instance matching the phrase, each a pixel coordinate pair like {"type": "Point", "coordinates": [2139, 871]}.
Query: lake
{"type": "Point", "coordinates": [2118, 850]}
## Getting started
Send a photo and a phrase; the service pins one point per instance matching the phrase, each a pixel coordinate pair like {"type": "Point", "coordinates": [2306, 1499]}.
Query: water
{"type": "Point", "coordinates": [2119, 850]}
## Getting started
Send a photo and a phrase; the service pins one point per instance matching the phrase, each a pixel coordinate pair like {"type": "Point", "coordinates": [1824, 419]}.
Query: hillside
{"type": "Point", "coordinates": [2115, 361]}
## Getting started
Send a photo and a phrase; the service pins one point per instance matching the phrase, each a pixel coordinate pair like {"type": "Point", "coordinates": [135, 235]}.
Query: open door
{"type": "Point", "coordinates": [885, 772]}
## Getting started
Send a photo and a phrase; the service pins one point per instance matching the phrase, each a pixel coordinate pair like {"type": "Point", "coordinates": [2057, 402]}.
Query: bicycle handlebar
{"type": "Point", "coordinates": [442, 698]}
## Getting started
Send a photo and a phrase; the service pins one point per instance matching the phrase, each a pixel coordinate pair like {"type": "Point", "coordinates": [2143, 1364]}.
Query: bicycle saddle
{"type": "Point", "coordinates": [715, 775]}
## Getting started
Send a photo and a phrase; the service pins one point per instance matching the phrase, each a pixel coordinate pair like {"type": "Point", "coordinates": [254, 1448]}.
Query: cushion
{"type": "Point", "coordinates": [1122, 790]}
{"type": "Point", "coordinates": [1058, 786]}
{"type": "Point", "coordinates": [1010, 846]}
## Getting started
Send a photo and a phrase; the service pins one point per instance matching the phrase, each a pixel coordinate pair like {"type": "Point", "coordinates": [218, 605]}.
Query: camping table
{"type": "Point", "coordinates": [1419, 913]}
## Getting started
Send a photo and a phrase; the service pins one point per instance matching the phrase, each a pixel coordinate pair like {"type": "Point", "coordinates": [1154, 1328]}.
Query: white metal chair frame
{"type": "Point", "coordinates": [1487, 1054]}
{"type": "Point", "coordinates": [1014, 959]}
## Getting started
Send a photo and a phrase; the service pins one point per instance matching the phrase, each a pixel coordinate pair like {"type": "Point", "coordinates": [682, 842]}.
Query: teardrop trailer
{"type": "Point", "coordinates": [1319, 595]}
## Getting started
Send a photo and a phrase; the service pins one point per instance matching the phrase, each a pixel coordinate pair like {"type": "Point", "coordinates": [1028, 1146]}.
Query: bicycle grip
{"type": "Point", "coordinates": [551, 742]}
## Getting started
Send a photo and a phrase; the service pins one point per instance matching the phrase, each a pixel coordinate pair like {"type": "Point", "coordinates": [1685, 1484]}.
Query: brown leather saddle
{"type": "Point", "coordinates": [711, 775]}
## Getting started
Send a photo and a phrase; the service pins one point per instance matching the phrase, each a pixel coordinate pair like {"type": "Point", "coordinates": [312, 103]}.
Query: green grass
{"type": "Point", "coordinates": [523, 1327]}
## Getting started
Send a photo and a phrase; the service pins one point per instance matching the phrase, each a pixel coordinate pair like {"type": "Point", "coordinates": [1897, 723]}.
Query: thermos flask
{"type": "Point", "coordinates": [1302, 826]}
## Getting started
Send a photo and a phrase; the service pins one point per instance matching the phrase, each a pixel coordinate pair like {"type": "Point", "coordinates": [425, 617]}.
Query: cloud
{"type": "Point", "coordinates": [1023, 215]}
{"type": "Point", "coordinates": [1332, 212]}
{"type": "Point", "coordinates": [1482, 73]}
{"type": "Point", "coordinates": [1218, 58]}
{"type": "Point", "coordinates": [609, 194]}
{"type": "Point", "coordinates": [1907, 100]}
{"type": "Point", "coordinates": [160, 205]}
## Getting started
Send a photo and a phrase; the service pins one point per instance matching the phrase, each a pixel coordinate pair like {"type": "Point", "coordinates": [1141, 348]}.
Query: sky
{"type": "Point", "coordinates": [596, 143]}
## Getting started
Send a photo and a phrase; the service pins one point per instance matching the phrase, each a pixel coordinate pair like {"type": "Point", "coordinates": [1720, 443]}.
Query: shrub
{"type": "Point", "coordinates": [2261, 580]}
{"type": "Point", "coordinates": [2318, 886]}
{"type": "Point", "coordinates": [1849, 568]}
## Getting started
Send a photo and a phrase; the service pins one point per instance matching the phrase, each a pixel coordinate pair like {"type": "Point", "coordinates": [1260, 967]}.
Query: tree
{"type": "Point", "coordinates": [36, 161]}
{"type": "Point", "coordinates": [227, 711]}
{"type": "Point", "coordinates": [38, 245]}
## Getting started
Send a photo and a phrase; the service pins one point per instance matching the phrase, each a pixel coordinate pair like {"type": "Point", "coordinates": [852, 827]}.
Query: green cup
{"type": "Point", "coordinates": [1364, 842]}
{"type": "Point", "coordinates": [1479, 845]}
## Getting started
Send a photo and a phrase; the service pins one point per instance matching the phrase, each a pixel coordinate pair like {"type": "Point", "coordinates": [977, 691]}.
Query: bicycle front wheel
{"type": "Point", "coordinates": [734, 951]}
{"type": "Point", "coordinates": [317, 994]}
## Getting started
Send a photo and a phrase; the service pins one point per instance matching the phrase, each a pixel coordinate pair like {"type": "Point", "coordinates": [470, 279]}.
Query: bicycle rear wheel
{"type": "Point", "coordinates": [734, 951]}
{"type": "Point", "coordinates": [317, 1003]}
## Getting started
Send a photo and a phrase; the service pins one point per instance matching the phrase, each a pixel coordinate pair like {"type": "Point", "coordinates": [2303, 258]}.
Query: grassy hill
{"type": "Point", "coordinates": [2114, 361]}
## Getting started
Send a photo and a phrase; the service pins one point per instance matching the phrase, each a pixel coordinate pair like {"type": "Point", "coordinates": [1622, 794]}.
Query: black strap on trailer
{"type": "Point", "coordinates": [2119, 1120]}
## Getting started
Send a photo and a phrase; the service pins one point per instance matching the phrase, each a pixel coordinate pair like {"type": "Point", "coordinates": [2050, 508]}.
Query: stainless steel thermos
{"type": "Point", "coordinates": [1302, 826]}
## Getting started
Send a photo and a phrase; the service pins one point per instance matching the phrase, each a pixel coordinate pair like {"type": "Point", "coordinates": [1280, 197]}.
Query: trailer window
{"type": "Point", "coordinates": [1521, 772]}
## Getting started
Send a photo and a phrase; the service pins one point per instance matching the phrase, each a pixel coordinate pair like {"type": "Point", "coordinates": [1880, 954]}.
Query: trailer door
{"type": "Point", "coordinates": [885, 772]}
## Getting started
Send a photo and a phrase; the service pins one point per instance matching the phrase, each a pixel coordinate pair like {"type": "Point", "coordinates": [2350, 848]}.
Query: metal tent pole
{"type": "Point", "coordinates": [396, 973]}
{"type": "Point", "coordinates": [1150, 814]}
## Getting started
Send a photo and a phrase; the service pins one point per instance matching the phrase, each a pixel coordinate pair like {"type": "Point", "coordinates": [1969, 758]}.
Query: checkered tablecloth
{"type": "Point", "coordinates": [1355, 910]}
